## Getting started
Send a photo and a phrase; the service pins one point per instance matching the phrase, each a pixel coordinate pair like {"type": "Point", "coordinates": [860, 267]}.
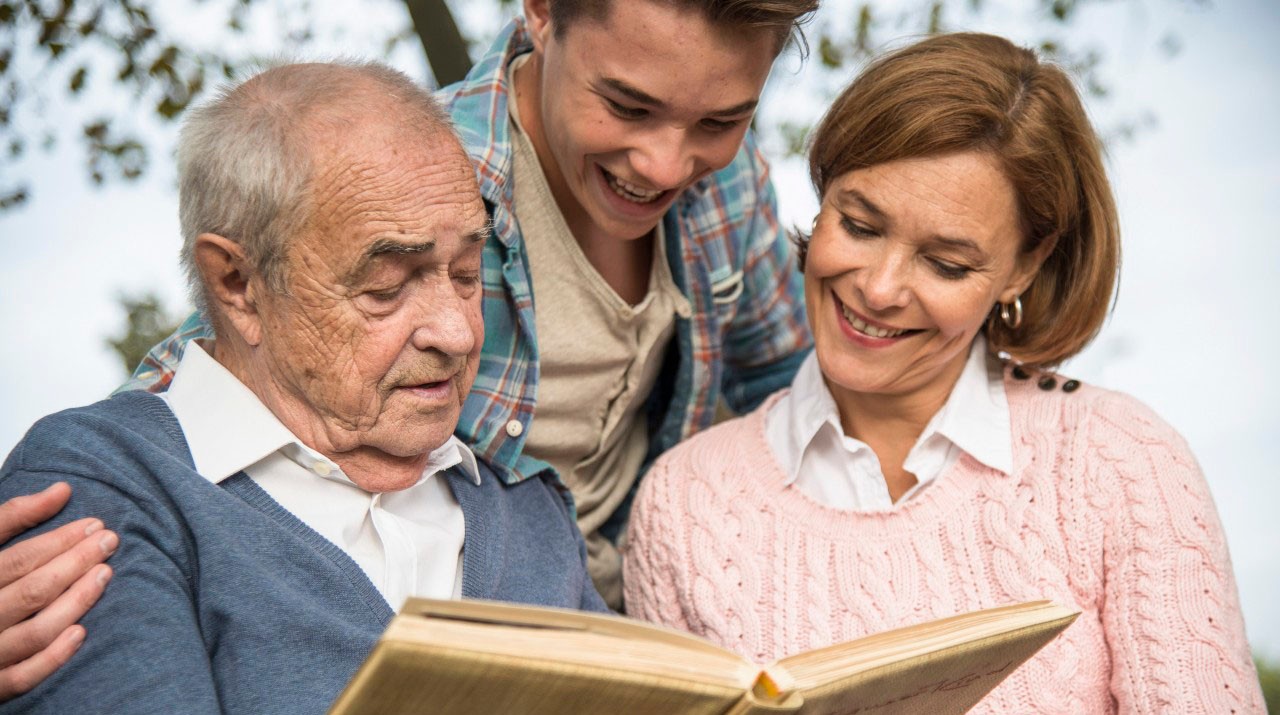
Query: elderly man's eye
{"type": "Point", "coordinates": [467, 281]}
{"type": "Point", "coordinates": [385, 296]}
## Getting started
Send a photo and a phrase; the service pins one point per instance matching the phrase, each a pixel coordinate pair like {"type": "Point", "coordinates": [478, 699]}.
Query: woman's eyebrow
{"type": "Point", "coordinates": [844, 196]}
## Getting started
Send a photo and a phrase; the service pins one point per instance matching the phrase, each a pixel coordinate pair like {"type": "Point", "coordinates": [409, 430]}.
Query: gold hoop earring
{"type": "Point", "coordinates": [1011, 313]}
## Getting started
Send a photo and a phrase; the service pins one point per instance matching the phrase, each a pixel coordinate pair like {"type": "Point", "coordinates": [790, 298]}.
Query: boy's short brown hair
{"type": "Point", "coordinates": [784, 17]}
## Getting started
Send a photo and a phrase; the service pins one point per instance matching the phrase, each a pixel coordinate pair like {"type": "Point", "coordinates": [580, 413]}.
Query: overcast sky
{"type": "Point", "coordinates": [1195, 333]}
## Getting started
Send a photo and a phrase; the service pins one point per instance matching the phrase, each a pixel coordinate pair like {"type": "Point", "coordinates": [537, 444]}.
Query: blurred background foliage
{"type": "Point", "coordinates": [1269, 674]}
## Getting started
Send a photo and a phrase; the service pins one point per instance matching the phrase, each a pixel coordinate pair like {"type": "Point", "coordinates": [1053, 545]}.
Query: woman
{"type": "Point", "coordinates": [908, 474]}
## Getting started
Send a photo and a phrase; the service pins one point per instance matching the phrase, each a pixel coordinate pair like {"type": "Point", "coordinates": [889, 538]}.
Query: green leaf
{"type": "Point", "coordinates": [828, 53]}
{"type": "Point", "coordinates": [10, 199]}
{"type": "Point", "coordinates": [88, 27]}
{"type": "Point", "coordinates": [128, 69]}
{"type": "Point", "coordinates": [77, 79]}
{"type": "Point", "coordinates": [147, 322]}
{"type": "Point", "coordinates": [935, 18]}
{"type": "Point", "coordinates": [167, 108]}
{"type": "Point", "coordinates": [862, 34]}
{"type": "Point", "coordinates": [163, 65]}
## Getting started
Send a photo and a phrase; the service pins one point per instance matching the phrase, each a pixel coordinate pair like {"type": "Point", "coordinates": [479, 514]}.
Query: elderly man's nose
{"type": "Point", "coordinates": [445, 327]}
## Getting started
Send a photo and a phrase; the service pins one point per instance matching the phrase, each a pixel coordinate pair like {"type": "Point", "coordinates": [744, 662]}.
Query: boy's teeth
{"type": "Point", "coordinates": [631, 192]}
{"type": "Point", "coordinates": [871, 330]}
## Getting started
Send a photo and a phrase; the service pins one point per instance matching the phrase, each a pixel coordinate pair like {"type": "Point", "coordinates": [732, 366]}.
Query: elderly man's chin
{"type": "Point", "coordinates": [414, 421]}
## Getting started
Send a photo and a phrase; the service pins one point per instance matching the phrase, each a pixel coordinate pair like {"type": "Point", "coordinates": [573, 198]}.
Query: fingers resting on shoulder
{"type": "Point", "coordinates": [47, 584]}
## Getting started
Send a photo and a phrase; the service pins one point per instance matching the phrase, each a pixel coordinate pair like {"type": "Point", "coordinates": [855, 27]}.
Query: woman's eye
{"type": "Point", "coordinates": [626, 112]}
{"type": "Point", "coordinates": [948, 270]}
{"type": "Point", "coordinates": [855, 229]}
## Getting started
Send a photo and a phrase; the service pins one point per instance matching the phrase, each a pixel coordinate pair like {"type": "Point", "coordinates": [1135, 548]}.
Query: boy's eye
{"type": "Point", "coordinates": [626, 112]}
{"type": "Point", "coordinates": [720, 125]}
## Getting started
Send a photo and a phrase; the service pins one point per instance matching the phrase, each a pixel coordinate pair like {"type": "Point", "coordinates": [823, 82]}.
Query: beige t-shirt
{"type": "Point", "coordinates": [599, 358]}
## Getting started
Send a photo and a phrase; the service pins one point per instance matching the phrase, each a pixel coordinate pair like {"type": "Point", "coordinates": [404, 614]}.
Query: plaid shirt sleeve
{"type": "Point", "coordinates": [155, 372]}
{"type": "Point", "coordinates": [769, 335]}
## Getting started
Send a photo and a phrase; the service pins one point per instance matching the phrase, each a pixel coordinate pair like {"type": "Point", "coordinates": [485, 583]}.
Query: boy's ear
{"type": "Point", "coordinates": [537, 16]}
{"type": "Point", "coordinates": [230, 284]}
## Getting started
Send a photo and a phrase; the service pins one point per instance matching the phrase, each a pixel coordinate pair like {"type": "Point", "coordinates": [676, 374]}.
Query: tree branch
{"type": "Point", "coordinates": [446, 50]}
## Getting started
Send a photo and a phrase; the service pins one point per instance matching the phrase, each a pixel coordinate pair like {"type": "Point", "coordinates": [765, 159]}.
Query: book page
{"type": "Point", "coordinates": [811, 668]}
{"type": "Point", "coordinates": [403, 678]}
{"type": "Point", "coordinates": [939, 667]}
{"type": "Point", "coordinates": [571, 639]}
{"type": "Point", "coordinates": [562, 619]}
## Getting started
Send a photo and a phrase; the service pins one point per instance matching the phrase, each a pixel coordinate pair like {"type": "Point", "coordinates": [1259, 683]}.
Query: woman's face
{"type": "Point", "coordinates": [906, 261]}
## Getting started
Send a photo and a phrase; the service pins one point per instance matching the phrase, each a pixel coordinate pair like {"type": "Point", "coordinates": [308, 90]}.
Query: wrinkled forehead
{"type": "Point", "coordinates": [384, 183]}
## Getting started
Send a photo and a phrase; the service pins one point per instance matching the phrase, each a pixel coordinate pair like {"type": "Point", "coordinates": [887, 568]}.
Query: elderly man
{"type": "Point", "coordinates": [294, 486]}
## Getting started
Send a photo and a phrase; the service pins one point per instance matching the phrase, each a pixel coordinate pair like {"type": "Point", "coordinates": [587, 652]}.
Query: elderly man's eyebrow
{"type": "Point", "coordinates": [481, 234]}
{"type": "Point", "coordinates": [643, 97]}
{"type": "Point", "coordinates": [386, 247]}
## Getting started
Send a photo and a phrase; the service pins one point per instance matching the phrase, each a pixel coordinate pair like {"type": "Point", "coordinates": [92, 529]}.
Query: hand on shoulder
{"type": "Point", "coordinates": [47, 583]}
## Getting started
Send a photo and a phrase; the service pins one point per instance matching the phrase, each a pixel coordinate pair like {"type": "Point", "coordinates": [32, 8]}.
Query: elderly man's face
{"type": "Point", "coordinates": [377, 336]}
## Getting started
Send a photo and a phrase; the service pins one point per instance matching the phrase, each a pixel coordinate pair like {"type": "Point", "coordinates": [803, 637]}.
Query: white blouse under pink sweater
{"type": "Point", "coordinates": [1109, 513]}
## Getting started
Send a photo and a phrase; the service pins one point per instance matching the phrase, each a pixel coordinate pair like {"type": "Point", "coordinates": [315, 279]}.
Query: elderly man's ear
{"type": "Point", "coordinates": [232, 286]}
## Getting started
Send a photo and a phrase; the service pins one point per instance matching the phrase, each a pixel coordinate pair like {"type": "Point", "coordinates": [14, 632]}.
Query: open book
{"type": "Point", "coordinates": [465, 657]}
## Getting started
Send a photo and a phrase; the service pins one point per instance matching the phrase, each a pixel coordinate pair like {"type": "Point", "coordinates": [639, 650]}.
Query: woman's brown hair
{"type": "Point", "coordinates": [969, 91]}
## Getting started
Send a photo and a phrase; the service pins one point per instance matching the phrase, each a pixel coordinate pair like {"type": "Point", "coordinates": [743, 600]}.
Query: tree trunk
{"type": "Point", "coordinates": [446, 50]}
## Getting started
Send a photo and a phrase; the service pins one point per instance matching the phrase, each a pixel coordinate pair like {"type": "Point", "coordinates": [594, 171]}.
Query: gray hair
{"type": "Point", "coordinates": [245, 160]}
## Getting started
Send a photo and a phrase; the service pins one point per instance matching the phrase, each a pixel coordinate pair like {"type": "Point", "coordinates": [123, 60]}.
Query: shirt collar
{"type": "Point", "coordinates": [229, 429]}
{"type": "Point", "coordinates": [810, 409]}
{"type": "Point", "coordinates": [975, 416]}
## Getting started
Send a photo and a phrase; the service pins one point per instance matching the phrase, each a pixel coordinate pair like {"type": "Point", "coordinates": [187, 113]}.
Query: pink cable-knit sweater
{"type": "Point", "coordinates": [1108, 513]}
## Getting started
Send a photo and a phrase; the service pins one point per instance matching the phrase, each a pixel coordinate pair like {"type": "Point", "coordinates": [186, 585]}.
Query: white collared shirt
{"type": "Point", "coordinates": [803, 430]}
{"type": "Point", "coordinates": [408, 542]}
